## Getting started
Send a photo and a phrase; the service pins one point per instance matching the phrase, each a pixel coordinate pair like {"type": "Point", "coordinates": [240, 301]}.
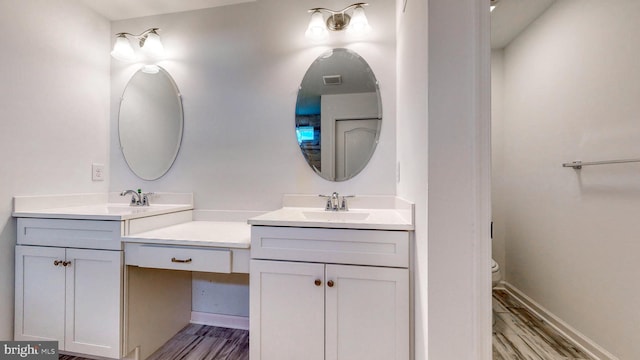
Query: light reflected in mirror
{"type": "Point", "coordinates": [150, 123]}
{"type": "Point", "coordinates": [338, 114]}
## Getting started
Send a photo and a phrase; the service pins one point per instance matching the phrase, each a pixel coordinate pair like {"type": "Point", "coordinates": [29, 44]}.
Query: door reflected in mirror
{"type": "Point", "coordinates": [338, 114]}
{"type": "Point", "coordinates": [150, 123]}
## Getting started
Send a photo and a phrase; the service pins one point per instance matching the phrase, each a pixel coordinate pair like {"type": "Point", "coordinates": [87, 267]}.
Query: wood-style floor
{"type": "Point", "coordinates": [200, 342]}
{"type": "Point", "coordinates": [520, 335]}
{"type": "Point", "coordinates": [517, 335]}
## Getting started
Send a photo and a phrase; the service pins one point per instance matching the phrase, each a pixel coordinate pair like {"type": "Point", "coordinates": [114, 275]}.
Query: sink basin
{"type": "Point", "coordinates": [366, 212]}
{"type": "Point", "coordinates": [118, 209]}
{"type": "Point", "coordinates": [335, 215]}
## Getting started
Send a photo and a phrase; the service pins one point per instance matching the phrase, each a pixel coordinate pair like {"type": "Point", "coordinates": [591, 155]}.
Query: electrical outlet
{"type": "Point", "coordinates": [97, 172]}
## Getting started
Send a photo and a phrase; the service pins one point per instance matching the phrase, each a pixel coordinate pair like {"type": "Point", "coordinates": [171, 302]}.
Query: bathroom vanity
{"type": "Point", "coordinates": [331, 284]}
{"type": "Point", "coordinates": [72, 285]}
{"type": "Point", "coordinates": [56, 293]}
{"type": "Point", "coordinates": [69, 267]}
{"type": "Point", "coordinates": [110, 280]}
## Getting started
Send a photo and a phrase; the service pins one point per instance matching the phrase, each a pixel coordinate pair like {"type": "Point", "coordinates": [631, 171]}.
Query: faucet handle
{"type": "Point", "coordinates": [145, 198]}
{"type": "Point", "coordinates": [344, 206]}
{"type": "Point", "coordinates": [328, 206]}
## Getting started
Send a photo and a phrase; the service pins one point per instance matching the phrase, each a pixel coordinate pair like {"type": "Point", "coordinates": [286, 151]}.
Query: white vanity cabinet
{"type": "Point", "coordinates": [69, 294]}
{"type": "Point", "coordinates": [70, 266]}
{"type": "Point", "coordinates": [329, 294]}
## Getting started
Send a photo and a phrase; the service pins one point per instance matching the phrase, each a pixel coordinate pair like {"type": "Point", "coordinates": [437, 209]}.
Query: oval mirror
{"type": "Point", "coordinates": [338, 114]}
{"type": "Point", "coordinates": [150, 123]}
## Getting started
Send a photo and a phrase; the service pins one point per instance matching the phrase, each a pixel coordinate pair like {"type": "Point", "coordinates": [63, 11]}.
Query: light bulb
{"type": "Point", "coordinates": [317, 29]}
{"type": "Point", "coordinates": [359, 25]}
{"type": "Point", "coordinates": [152, 46]}
{"type": "Point", "coordinates": [122, 49]}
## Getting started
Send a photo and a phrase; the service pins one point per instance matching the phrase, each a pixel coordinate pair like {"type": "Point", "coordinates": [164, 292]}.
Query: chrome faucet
{"type": "Point", "coordinates": [334, 202]}
{"type": "Point", "coordinates": [137, 198]}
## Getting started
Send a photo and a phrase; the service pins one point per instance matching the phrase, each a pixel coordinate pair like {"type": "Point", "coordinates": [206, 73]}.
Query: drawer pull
{"type": "Point", "coordinates": [318, 282]}
{"type": "Point", "coordinates": [330, 283]}
{"type": "Point", "coordinates": [180, 261]}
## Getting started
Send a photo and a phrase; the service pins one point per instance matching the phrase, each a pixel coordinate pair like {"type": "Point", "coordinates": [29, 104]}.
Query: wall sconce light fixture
{"type": "Point", "coordinates": [149, 42]}
{"type": "Point", "coordinates": [355, 23]}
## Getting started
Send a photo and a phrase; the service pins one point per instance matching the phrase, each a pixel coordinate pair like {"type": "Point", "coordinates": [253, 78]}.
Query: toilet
{"type": "Point", "coordinates": [496, 276]}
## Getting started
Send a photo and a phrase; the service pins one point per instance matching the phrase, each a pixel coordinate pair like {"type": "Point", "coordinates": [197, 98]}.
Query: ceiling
{"type": "Point", "coordinates": [507, 21]}
{"type": "Point", "coordinates": [127, 9]}
{"type": "Point", "coordinates": [510, 17]}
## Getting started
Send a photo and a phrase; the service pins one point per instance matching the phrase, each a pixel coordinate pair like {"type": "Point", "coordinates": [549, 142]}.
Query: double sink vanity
{"type": "Point", "coordinates": [106, 279]}
{"type": "Point", "coordinates": [329, 278]}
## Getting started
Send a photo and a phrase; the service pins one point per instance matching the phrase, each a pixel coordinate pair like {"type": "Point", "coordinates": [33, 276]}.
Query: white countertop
{"type": "Point", "coordinates": [227, 234]}
{"type": "Point", "coordinates": [103, 211]}
{"type": "Point", "coordinates": [101, 206]}
{"type": "Point", "coordinates": [373, 219]}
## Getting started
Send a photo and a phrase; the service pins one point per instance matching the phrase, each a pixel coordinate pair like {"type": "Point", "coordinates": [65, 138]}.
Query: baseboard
{"type": "Point", "coordinates": [583, 342]}
{"type": "Point", "coordinates": [133, 355]}
{"type": "Point", "coordinates": [227, 321]}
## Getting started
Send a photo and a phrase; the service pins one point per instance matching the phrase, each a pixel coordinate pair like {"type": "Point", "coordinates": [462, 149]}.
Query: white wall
{"type": "Point", "coordinates": [459, 253]}
{"type": "Point", "coordinates": [443, 151]}
{"type": "Point", "coordinates": [498, 199]}
{"type": "Point", "coordinates": [238, 69]}
{"type": "Point", "coordinates": [571, 92]}
{"type": "Point", "coordinates": [54, 105]}
{"type": "Point", "coordinates": [412, 78]}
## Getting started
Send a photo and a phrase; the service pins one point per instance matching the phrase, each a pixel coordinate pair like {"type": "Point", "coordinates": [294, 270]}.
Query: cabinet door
{"type": "Point", "coordinates": [93, 316]}
{"type": "Point", "coordinates": [367, 313]}
{"type": "Point", "coordinates": [39, 294]}
{"type": "Point", "coordinates": [287, 311]}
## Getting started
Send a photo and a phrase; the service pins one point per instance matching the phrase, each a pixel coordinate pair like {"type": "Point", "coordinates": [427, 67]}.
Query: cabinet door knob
{"type": "Point", "coordinates": [66, 263]}
{"type": "Point", "coordinates": [318, 282]}
{"type": "Point", "coordinates": [57, 262]}
{"type": "Point", "coordinates": [330, 283]}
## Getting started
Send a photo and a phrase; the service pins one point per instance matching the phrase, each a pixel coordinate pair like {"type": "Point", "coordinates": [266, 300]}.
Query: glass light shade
{"type": "Point", "coordinates": [152, 46]}
{"type": "Point", "coordinates": [359, 24]}
{"type": "Point", "coordinates": [122, 49]}
{"type": "Point", "coordinates": [317, 29]}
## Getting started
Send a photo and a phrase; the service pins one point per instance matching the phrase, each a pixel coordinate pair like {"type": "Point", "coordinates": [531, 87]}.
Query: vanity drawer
{"type": "Point", "coordinates": [88, 234]}
{"type": "Point", "coordinates": [187, 258]}
{"type": "Point", "coordinates": [338, 246]}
